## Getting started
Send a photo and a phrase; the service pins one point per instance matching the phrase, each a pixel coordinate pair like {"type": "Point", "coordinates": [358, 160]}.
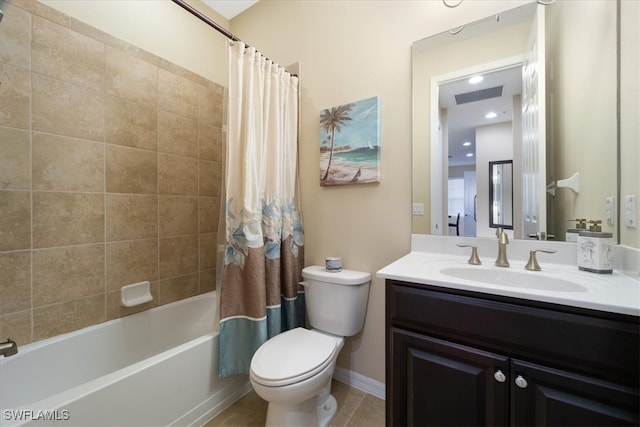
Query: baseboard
{"type": "Point", "coordinates": [356, 380]}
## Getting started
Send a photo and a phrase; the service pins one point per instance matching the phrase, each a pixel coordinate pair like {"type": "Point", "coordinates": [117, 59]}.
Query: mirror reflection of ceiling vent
{"type": "Point", "coordinates": [479, 95]}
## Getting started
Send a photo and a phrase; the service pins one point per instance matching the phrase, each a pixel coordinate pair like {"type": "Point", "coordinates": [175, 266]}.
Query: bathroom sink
{"type": "Point", "coordinates": [514, 279]}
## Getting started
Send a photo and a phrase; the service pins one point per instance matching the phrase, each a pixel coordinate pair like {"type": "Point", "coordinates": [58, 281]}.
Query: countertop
{"type": "Point", "coordinates": [615, 293]}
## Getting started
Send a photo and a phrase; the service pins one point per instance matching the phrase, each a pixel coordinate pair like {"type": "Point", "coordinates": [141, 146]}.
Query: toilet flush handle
{"type": "Point", "coordinates": [303, 284]}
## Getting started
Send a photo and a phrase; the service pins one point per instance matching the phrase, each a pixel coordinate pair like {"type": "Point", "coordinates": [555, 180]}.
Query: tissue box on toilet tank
{"type": "Point", "coordinates": [595, 251]}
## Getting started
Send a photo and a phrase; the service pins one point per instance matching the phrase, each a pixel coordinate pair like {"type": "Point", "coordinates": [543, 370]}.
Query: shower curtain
{"type": "Point", "coordinates": [259, 293]}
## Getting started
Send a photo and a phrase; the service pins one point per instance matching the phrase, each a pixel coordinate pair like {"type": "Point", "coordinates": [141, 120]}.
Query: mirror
{"type": "Point", "coordinates": [501, 194]}
{"type": "Point", "coordinates": [577, 101]}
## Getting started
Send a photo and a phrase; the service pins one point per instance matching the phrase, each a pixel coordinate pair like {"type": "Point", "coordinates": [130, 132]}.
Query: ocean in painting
{"type": "Point", "coordinates": [364, 156]}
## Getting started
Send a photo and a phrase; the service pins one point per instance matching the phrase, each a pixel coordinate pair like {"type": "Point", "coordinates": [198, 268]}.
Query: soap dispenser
{"type": "Point", "coordinates": [595, 249]}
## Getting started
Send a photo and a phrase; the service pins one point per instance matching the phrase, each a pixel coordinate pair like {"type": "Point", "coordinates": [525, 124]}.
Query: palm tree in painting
{"type": "Point", "coordinates": [330, 121]}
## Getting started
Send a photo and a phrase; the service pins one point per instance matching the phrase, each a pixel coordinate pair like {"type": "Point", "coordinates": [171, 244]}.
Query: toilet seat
{"type": "Point", "coordinates": [292, 356]}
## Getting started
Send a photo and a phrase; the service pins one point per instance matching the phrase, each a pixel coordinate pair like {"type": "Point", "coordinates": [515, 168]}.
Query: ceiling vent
{"type": "Point", "coordinates": [479, 95]}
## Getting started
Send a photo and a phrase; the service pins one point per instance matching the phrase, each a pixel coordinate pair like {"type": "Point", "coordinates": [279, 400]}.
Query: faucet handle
{"type": "Point", "coordinates": [474, 259]}
{"type": "Point", "coordinates": [532, 264]}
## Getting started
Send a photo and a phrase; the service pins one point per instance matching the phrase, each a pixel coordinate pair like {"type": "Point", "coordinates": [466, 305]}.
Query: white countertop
{"type": "Point", "coordinates": [616, 293]}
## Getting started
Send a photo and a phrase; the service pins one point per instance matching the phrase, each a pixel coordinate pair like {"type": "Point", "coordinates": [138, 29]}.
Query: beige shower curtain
{"type": "Point", "coordinates": [259, 293]}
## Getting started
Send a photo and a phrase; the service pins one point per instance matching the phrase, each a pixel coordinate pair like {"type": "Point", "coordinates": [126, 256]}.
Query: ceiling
{"type": "Point", "coordinates": [229, 8]}
{"type": "Point", "coordinates": [464, 118]}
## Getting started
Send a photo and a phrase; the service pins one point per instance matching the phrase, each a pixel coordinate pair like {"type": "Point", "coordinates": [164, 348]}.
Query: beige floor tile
{"type": "Point", "coordinates": [355, 408]}
{"type": "Point", "coordinates": [249, 411]}
{"type": "Point", "coordinates": [370, 413]}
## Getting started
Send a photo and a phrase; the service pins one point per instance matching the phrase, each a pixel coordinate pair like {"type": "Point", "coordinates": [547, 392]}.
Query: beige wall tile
{"type": "Point", "coordinates": [207, 281]}
{"type": "Point", "coordinates": [207, 251]}
{"type": "Point", "coordinates": [178, 215]}
{"type": "Point", "coordinates": [209, 214]}
{"type": "Point", "coordinates": [131, 216]}
{"type": "Point", "coordinates": [177, 288]}
{"type": "Point", "coordinates": [14, 96]}
{"type": "Point", "coordinates": [15, 37]}
{"type": "Point", "coordinates": [65, 317]}
{"type": "Point", "coordinates": [66, 109]}
{"type": "Point", "coordinates": [131, 262]}
{"type": "Point", "coordinates": [130, 170]}
{"type": "Point", "coordinates": [69, 273]}
{"type": "Point", "coordinates": [15, 220]}
{"type": "Point", "coordinates": [15, 292]}
{"type": "Point", "coordinates": [209, 142]}
{"type": "Point", "coordinates": [15, 159]}
{"type": "Point", "coordinates": [177, 134]}
{"type": "Point", "coordinates": [177, 175]}
{"type": "Point", "coordinates": [64, 54]}
{"type": "Point", "coordinates": [116, 310]}
{"type": "Point", "coordinates": [130, 124]}
{"type": "Point", "coordinates": [67, 164]}
{"type": "Point", "coordinates": [209, 178]}
{"type": "Point", "coordinates": [131, 78]}
{"type": "Point", "coordinates": [211, 105]}
{"type": "Point", "coordinates": [61, 219]}
{"type": "Point", "coordinates": [178, 256]}
{"type": "Point", "coordinates": [18, 326]}
{"type": "Point", "coordinates": [177, 94]}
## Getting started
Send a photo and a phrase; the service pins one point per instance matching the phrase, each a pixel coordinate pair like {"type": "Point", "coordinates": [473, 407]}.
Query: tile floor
{"type": "Point", "coordinates": [355, 408]}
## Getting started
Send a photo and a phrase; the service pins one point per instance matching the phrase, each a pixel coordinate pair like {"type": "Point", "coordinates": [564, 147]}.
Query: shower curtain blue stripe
{"type": "Point", "coordinates": [249, 334]}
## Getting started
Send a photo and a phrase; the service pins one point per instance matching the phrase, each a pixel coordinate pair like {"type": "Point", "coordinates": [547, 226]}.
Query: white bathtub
{"type": "Point", "coordinates": [154, 368]}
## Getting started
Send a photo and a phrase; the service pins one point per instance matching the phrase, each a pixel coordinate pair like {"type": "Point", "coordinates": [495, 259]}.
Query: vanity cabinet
{"type": "Point", "coordinates": [461, 358]}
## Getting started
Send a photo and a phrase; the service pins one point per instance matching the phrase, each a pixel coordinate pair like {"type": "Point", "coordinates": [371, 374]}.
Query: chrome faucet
{"type": "Point", "coordinates": [8, 347]}
{"type": "Point", "coordinates": [503, 241]}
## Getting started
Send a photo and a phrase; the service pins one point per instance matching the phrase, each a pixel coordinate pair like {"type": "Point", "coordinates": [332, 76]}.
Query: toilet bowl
{"type": "Point", "coordinates": [292, 371]}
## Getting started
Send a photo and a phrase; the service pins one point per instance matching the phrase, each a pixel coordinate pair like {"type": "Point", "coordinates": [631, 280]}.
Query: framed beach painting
{"type": "Point", "coordinates": [350, 143]}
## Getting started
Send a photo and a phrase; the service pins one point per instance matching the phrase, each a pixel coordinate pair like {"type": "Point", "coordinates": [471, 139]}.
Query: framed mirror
{"type": "Point", "coordinates": [577, 105]}
{"type": "Point", "coordinates": [501, 194]}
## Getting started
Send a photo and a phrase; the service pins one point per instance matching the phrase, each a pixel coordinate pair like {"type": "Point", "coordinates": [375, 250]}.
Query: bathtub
{"type": "Point", "coordinates": [154, 368]}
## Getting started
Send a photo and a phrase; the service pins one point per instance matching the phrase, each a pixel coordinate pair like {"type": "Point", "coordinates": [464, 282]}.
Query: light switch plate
{"type": "Point", "coordinates": [417, 209]}
{"type": "Point", "coordinates": [630, 211]}
{"type": "Point", "coordinates": [609, 208]}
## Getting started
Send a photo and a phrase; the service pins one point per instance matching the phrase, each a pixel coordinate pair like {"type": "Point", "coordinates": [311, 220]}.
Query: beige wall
{"type": "Point", "coordinates": [349, 51]}
{"type": "Point", "coordinates": [110, 167]}
{"type": "Point", "coordinates": [630, 114]}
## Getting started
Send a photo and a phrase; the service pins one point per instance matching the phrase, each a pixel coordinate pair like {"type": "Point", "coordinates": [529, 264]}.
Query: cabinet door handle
{"type": "Point", "coordinates": [521, 382]}
{"type": "Point", "coordinates": [499, 376]}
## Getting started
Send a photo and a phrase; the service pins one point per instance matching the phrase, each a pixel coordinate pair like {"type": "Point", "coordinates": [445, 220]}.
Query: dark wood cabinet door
{"type": "Point", "coordinates": [542, 396]}
{"type": "Point", "coordinates": [441, 383]}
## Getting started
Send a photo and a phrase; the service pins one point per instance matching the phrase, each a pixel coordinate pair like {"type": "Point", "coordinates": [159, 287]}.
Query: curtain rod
{"type": "Point", "coordinates": [201, 16]}
{"type": "Point", "coordinates": [192, 10]}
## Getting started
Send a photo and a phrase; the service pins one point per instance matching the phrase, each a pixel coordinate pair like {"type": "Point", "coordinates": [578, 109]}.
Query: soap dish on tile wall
{"type": "Point", "coordinates": [136, 294]}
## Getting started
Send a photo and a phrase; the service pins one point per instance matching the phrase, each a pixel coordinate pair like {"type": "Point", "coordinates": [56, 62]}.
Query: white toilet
{"type": "Point", "coordinates": [292, 371]}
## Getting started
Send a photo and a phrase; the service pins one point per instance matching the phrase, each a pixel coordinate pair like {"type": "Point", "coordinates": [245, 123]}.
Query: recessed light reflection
{"type": "Point", "coordinates": [490, 115]}
{"type": "Point", "coordinates": [469, 154]}
{"type": "Point", "coordinates": [466, 144]}
{"type": "Point", "coordinates": [476, 79]}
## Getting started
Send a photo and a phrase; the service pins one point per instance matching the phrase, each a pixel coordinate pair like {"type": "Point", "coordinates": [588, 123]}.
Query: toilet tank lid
{"type": "Point", "coordinates": [342, 277]}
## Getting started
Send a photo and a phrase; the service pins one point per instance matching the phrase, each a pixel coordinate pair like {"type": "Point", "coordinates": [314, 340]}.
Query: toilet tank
{"type": "Point", "coordinates": [336, 302]}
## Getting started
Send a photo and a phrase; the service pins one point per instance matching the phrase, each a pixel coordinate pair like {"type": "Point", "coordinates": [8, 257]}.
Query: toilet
{"type": "Point", "coordinates": [292, 371]}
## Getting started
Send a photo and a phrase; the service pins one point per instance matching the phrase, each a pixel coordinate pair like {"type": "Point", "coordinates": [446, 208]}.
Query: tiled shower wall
{"type": "Point", "coordinates": [110, 172]}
